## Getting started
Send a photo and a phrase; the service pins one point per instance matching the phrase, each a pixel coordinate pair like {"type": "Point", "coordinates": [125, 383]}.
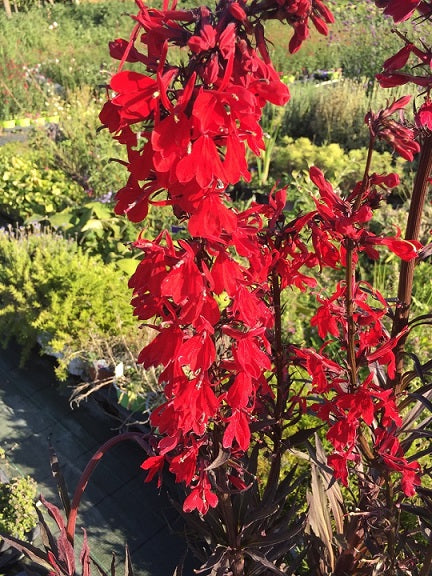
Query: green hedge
{"type": "Point", "coordinates": [53, 293]}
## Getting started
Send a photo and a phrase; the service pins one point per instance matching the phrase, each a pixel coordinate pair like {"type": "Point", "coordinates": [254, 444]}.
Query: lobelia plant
{"type": "Point", "coordinates": [239, 394]}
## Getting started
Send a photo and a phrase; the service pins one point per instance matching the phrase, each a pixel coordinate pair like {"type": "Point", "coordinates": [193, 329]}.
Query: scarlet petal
{"type": "Point", "coordinates": [401, 10]}
{"type": "Point", "coordinates": [238, 430]}
{"type": "Point", "coordinates": [392, 80]}
{"type": "Point", "coordinates": [203, 163]}
{"type": "Point", "coordinates": [211, 218]}
{"type": "Point", "coordinates": [154, 465]}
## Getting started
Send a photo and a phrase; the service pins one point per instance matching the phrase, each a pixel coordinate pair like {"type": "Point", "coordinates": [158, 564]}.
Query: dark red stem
{"type": "Point", "coordinates": [88, 471]}
{"type": "Point", "coordinates": [406, 276]}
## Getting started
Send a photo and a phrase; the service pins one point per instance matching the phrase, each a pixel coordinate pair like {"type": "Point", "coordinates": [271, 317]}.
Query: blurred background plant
{"type": "Point", "coordinates": [28, 186]}
{"type": "Point", "coordinates": [17, 501]}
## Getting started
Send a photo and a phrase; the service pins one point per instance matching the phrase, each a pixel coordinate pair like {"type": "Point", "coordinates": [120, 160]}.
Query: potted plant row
{"type": "Point", "coordinates": [27, 121]}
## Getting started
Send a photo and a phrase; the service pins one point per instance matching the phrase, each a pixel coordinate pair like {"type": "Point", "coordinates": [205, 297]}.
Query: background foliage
{"type": "Point", "coordinates": [55, 58]}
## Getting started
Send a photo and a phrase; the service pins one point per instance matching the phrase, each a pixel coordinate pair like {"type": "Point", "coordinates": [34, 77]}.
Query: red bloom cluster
{"type": "Point", "coordinates": [214, 333]}
{"type": "Point", "coordinates": [186, 122]}
{"type": "Point", "coordinates": [347, 399]}
{"type": "Point", "coordinates": [186, 126]}
{"type": "Point", "coordinates": [297, 14]}
{"type": "Point", "coordinates": [208, 306]}
{"type": "Point", "coordinates": [418, 58]}
{"type": "Point", "coordinates": [212, 302]}
{"type": "Point", "coordinates": [383, 126]}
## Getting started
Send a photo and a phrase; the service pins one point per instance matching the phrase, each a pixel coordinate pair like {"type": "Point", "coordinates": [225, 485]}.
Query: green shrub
{"type": "Point", "coordinates": [73, 304]}
{"type": "Point", "coordinates": [27, 187]}
{"type": "Point", "coordinates": [17, 512]}
{"type": "Point", "coordinates": [66, 44]}
{"type": "Point", "coordinates": [359, 42]}
{"type": "Point", "coordinates": [97, 230]}
{"type": "Point", "coordinates": [294, 157]}
{"type": "Point", "coordinates": [17, 504]}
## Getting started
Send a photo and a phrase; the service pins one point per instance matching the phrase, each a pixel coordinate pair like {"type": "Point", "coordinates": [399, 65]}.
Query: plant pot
{"type": "Point", "coordinates": [22, 122]}
{"type": "Point", "coordinates": [39, 121]}
{"type": "Point", "coordinates": [134, 404]}
{"type": "Point", "coordinates": [8, 124]}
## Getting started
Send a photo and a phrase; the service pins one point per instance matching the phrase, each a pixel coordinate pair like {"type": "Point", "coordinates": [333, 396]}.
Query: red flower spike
{"type": "Point", "coordinates": [209, 299]}
{"type": "Point", "coordinates": [382, 126]}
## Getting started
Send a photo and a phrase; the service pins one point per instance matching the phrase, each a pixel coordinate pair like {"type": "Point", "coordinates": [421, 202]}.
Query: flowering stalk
{"type": "Point", "coordinates": [406, 276]}
{"type": "Point", "coordinates": [214, 297]}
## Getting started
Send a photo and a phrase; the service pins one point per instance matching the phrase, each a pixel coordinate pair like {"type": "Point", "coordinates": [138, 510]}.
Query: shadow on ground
{"type": "Point", "coordinates": [117, 505]}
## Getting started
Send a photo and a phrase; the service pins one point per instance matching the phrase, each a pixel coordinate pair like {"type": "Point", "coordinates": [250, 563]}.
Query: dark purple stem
{"type": "Point", "coordinates": [88, 471]}
{"type": "Point", "coordinates": [406, 276]}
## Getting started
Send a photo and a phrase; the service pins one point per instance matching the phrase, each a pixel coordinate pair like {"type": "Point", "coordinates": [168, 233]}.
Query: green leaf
{"type": "Point", "coordinates": [127, 265]}
{"type": "Point", "coordinates": [92, 224]}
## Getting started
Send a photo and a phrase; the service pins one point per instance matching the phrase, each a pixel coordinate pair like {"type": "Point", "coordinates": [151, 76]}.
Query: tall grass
{"type": "Point", "coordinates": [334, 112]}
{"type": "Point", "coordinates": [54, 48]}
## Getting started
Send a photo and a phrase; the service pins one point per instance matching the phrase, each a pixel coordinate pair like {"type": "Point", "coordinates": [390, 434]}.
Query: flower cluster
{"type": "Point", "coordinates": [213, 299]}
{"type": "Point", "coordinates": [395, 71]}
{"type": "Point", "coordinates": [186, 125]}
{"type": "Point", "coordinates": [351, 393]}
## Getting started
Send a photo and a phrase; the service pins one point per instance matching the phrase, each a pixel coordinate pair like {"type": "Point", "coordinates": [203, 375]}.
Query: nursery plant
{"type": "Point", "coordinates": [70, 303]}
{"type": "Point", "coordinates": [17, 502]}
{"type": "Point", "coordinates": [28, 188]}
{"type": "Point", "coordinates": [294, 458]}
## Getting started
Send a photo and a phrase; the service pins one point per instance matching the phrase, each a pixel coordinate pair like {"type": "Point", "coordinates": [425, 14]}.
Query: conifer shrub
{"type": "Point", "coordinates": [72, 303]}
